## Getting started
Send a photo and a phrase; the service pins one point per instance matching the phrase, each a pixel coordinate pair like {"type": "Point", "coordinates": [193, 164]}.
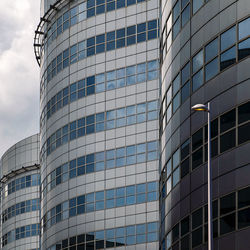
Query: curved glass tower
{"type": "Point", "coordinates": [205, 48]}
{"type": "Point", "coordinates": [20, 201]}
{"type": "Point", "coordinates": [99, 123]}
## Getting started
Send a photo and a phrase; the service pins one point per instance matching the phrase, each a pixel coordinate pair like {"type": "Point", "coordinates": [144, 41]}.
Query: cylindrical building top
{"type": "Point", "coordinates": [25, 153]}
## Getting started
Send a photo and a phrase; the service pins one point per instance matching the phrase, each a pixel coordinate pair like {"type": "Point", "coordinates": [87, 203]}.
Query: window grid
{"type": "Point", "coordinates": [100, 161]}
{"type": "Point", "coordinates": [20, 183]}
{"type": "Point", "coordinates": [81, 12]}
{"type": "Point", "coordinates": [99, 83]}
{"type": "Point", "coordinates": [226, 134]}
{"type": "Point", "coordinates": [229, 214]}
{"type": "Point", "coordinates": [145, 31]}
{"type": "Point", "coordinates": [20, 208]}
{"type": "Point", "coordinates": [99, 122]}
{"type": "Point", "coordinates": [20, 233]}
{"type": "Point", "coordinates": [124, 196]}
{"type": "Point", "coordinates": [114, 237]}
{"type": "Point", "coordinates": [203, 68]}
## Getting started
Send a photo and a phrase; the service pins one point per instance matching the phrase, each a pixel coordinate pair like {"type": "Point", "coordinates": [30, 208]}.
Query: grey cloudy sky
{"type": "Point", "coordinates": [19, 72]}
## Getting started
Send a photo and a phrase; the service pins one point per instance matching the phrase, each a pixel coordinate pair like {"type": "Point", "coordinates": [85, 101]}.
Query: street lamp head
{"type": "Point", "coordinates": [200, 107]}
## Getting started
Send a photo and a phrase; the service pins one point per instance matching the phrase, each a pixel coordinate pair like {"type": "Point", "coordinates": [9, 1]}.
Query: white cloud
{"type": "Point", "coordinates": [19, 72]}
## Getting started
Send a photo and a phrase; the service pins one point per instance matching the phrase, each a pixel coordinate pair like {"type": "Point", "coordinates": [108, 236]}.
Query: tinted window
{"type": "Point", "coordinates": [227, 121]}
{"type": "Point", "coordinates": [211, 69]}
{"type": "Point", "coordinates": [228, 38]}
{"type": "Point", "coordinates": [244, 30]}
{"type": "Point", "coordinates": [244, 112]}
{"type": "Point", "coordinates": [244, 133]}
{"type": "Point", "coordinates": [197, 237]}
{"type": "Point", "coordinates": [197, 4]}
{"type": "Point", "coordinates": [197, 139]}
{"type": "Point", "coordinates": [197, 80]}
{"type": "Point", "coordinates": [227, 204]}
{"type": "Point", "coordinates": [244, 218]}
{"type": "Point", "coordinates": [227, 141]}
{"type": "Point", "coordinates": [227, 224]}
{"type": "Point", "coordinates": [211, 50]}
{"type": "Point", "coordinates": [197, 218]}
{"type": "Point", "coordinates": [197, 61]}
{"type": "Point", "coordinates": [244, 197]}
{"type": "Point", "coordinates": [228, 58]}
{"type": "Point", "coordinates": [244, 49]}
{"type": "Point", "coordinates": [197, 158]}
{"type": "Point", "coordinates": [185, 226]}
{"type": "Point", "coordinates": [185, 92]}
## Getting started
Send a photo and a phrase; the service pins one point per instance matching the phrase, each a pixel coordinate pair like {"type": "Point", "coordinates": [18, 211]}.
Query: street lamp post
{"type": "Point", "coordinates": [202, 107]}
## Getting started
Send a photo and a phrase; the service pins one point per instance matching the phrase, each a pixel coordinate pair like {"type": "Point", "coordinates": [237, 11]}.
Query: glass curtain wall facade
{"type": "Point", "coordinates": [99, 124]}
{"type": "Point", "coordinates": [20, 196]}
{"type": "Point", "coordinates": [205, 48]}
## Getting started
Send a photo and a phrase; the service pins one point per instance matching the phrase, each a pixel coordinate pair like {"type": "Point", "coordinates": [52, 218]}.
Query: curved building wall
{"type": "Point", "coordinates": [99, 126]}
{"type": "Point", "coordinates": [205, 48]}
{"type": "Point", "coordinates": [20, 201]}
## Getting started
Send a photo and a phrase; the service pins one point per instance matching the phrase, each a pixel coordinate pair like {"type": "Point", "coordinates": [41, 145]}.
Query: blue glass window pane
{"type": "Point", "coordinates": [100, 78]}
{"type": "Point", "coordinates": [141, 37]}
{"type": "Point", "coordinates": [120, 152]}
{"type": "Point", "coordinates": [152, 186]}
{"type": "Point", "coordinates": [197, 61]}
{"type": "Point", "coordinates": [80, 200]}
{"type": "Point", "coordinates": [131, 30]}
{"type": "Point", "coordinates": [197, 4]}
{"type": "Point", "coordinates": [120, 33]}
{"type": "Point", "coordinates": [140, 198]}
{"type": "Point", "coordinates": [131, 110]}
{"type": "Point", "coordinates": [185, 73]}
{"type": "Point", "coordinates": [72, 202]}
{"type": "Point", "coordinates": [140, 239]}
{"type": "Point", "coordinates": [99, 205]}
{"type": "Point", "coordinates": [111, 6]}
{"type": "Point", "coordinates": [244, 49]}
{"type": "Point", "coordinates": [100, 9]}
{"type": "Point", "coordinates": [120, 202]}
{"type": "Point", "coordinates": [228, 38]}
{"type": "Point", "coordinates": [91, 12]}
{"type": "Point", "coordinates": [110, 203]}
{"type": "Point", "coordinates": [141, 27]}
{"type": "Point", "coordinates": [244, 30]}
{"type": "Point", "coordinates": [130, 190]}
{"type": "Point", "coordinates": [185, 16]}
{"type": "Point", "coordinates": [176, 102]}
{"type": "Point", "coordinates": [141, 188]}
{"type": "Point", "coordinates": [176, 84]}
{"type": "Point", "coordinates": [120, 232]}
{"type": "Point", "coordinates": [110, 35]}
{"type": "Point", "coordinates": [110, 194]}
{"type": "Point", "coordinates": [141, 229]}
{"type": "Point", "coordinates": [197, 80]}
{"type": "Point", "coordinates": [228, 58]}
{"type": "Point", "coordinates": [130, 230]}
{"type": "Point", "coordinates": [110, 233]}
{"type": "Point", "coordinates": [120, 4]}
{"type": "Point", "coordinates": [120, 192]}
{"type": "Point", "coordinates": [212, 69]}
{"type": "Point", "coordinates": [152, 237]}
{"type": "Point", "coordinates": [99, 196]}
{"type": "Point", "coordinates": [99, 166]}
{"type": "Point", "coordinates": [152, 34]}
{"type": "Point", "coordinates": [211, 50]}
{"type": "Point", "coordinates": [176, 28]}
{"type": "Point", "coordinates": [130, 70]}
{"type": "Point", "coordinates": [152, 196]}
{"type": "Point", "coordinates": [130, 200]}
{"type": "Point", "coordinates": [90, 197]}
{"type": "Point", "coordinates": [176, 10]}
{"type": "Point", "coordinates": [185, 92]}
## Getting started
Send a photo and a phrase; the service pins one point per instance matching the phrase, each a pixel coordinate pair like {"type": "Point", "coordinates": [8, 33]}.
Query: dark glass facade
{"type": "Point", "coordinates": [204, 58]}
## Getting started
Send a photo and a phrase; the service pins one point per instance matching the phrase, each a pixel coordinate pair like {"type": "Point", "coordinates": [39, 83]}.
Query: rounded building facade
{"type": "Point", "coordinates": [99, 124]}
{"type": "Point", "coordinates": [205, 48]}
{"type": "Point", "coordinates": [20, 196]}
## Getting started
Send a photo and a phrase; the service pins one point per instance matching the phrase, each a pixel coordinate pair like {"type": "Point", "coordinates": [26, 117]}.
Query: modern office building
{"type": "Point", "coordinates": [205, 48]}
{"type": "Point", "coordinates": [20, 191]}
{"type": "Point", "coordinates": [99, 123]}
